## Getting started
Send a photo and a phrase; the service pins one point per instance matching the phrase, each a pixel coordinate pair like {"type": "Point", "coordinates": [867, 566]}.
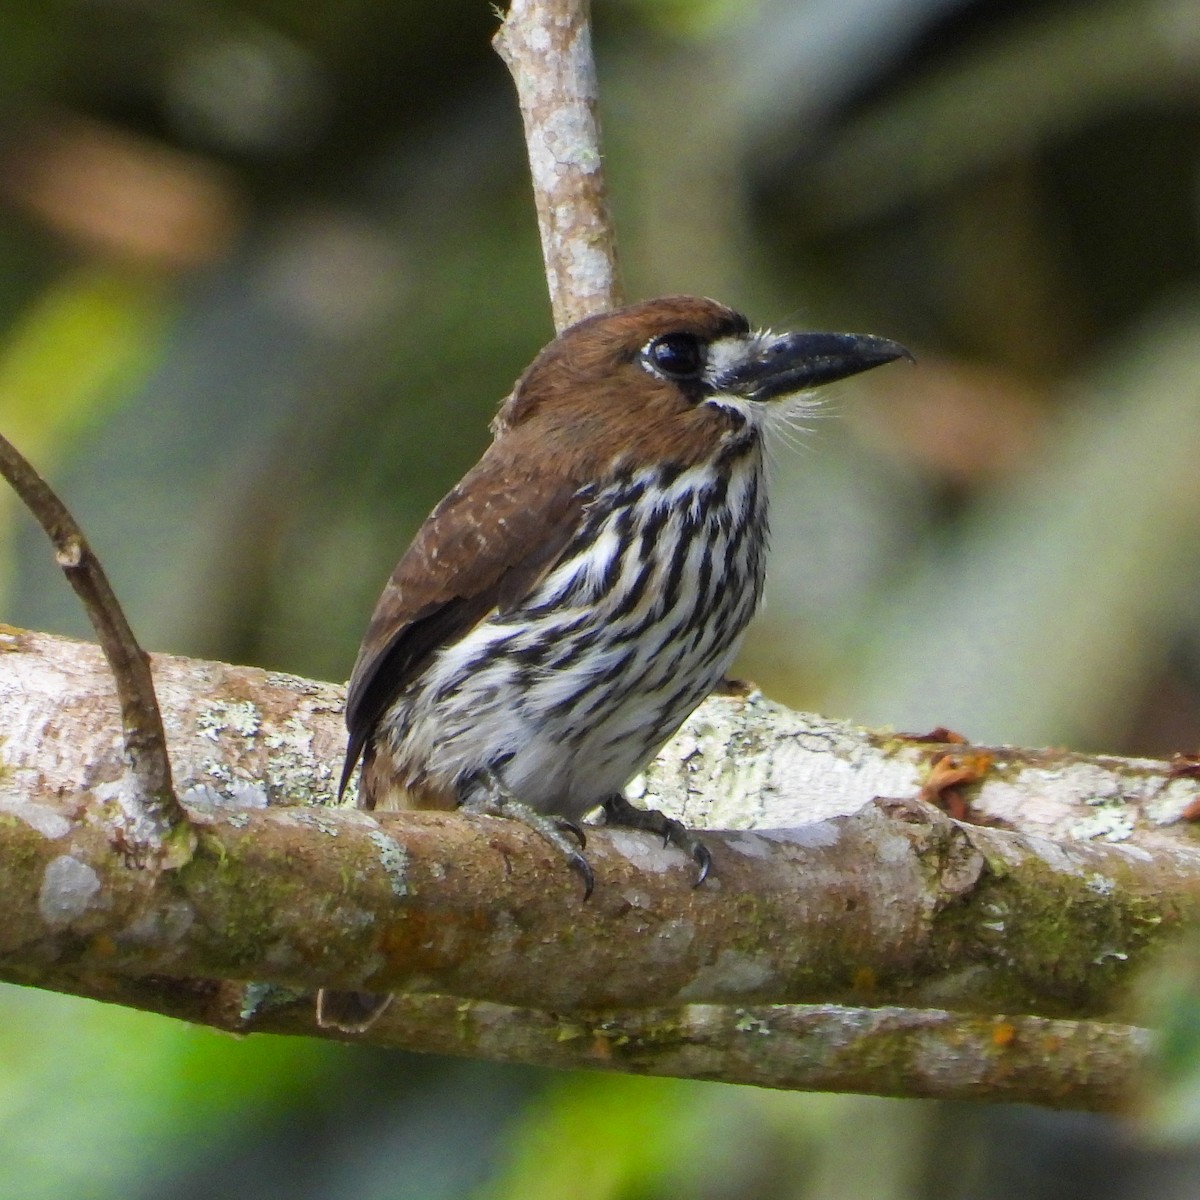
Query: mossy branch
{"type": "Point", "coordinates": [862, 902]}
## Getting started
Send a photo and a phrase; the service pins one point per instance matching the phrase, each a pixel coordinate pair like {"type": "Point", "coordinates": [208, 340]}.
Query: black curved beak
{"type": "Point", "coordinates": [796, 361]}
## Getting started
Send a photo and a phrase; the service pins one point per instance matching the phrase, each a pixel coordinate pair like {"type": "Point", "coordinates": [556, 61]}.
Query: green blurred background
{"type": "Point", "coordinates": [267, 267]}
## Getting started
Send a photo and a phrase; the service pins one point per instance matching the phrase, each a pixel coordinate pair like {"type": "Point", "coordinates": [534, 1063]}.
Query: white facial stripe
{"type": "Point", "coordinates": [754, 413]}
{"type": "Point", "coordinates": [726, 354]}
{"type": "Point", "coordinates": [780, 412]}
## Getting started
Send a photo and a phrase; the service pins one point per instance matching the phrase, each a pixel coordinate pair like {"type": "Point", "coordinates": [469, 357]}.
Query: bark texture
{"type": "Point", "coordinates": [843, 888]}
{"type": "Point", "coordinates": [547, 47]}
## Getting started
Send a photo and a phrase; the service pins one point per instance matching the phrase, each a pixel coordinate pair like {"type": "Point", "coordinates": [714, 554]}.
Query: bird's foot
{"type": "Point", "coordinates": [492, 798]}
{"type": "Point", "coordinates": [619, 811]}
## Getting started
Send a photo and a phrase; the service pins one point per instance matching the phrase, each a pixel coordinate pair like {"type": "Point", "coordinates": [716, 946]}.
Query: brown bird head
{"type": "Point", "coordinates": [667, 379]}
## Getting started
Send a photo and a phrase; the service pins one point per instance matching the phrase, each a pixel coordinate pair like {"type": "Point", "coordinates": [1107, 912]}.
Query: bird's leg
{"type": "Point", "coordinates": [488, 795]}
{"type": "Point", "coordinates": [619, 811]}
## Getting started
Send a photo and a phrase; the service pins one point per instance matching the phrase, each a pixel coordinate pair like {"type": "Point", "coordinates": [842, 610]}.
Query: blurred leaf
{"type": "Point", "coordinates": [598, 1138]}
{"type": "Point", "coordinates": [93, 1099]}
{"type": "Point", "coordinates": [1040, 619]}
{"type": "Point", "coordinates": [1003, 97]}
{"type": "Point", "coordinates": [70, 358]}
{"type": "Point", "coordinates": [1168, 1000]}
{"type": "Point", "coordinates": [74, 353]}
{"type": "Point", "coordinates": [694, 18]}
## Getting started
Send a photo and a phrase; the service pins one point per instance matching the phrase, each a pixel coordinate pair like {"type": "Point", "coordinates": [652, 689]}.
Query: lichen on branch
{"type": "Point", "coordinates": [826, 893]}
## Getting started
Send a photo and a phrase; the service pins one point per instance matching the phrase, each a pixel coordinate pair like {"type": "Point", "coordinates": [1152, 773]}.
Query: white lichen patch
{"type": "Point", "coordinates": [232, 792]}
{"type": "Point", "coordinates": [646, 852]}
{"type": "Point", "coordinates": [394, 860]}
{"type": "Point", "coordinates": [748, 763]}
{"type": "Point", "coordinates": [1140, 853]}
{"type": "Point", "coordinates": [201, 796]}
{"type": "Point", "coordinates": [349, 814]}
{"type": "Point", "coordinates": [1007, 855]}
{"type": "Point", "coordinates": [1167, 807]}
{"type": "Point", "coordinates": [564, 138]}
{"type": "Point", "coordinates": [588, 267]}
{"type": "Point", "coordinates": [686, 745]}
{"type": "Point", "coordinates": [215, 770]}
{"type": "Point", "coordinates": [1111, 821]}
{"type": "Point", "coordinates": [1049, 799]}
{"type": "Point", "coordinates": [239, 717]}
{"type": "Point", "coordinates": [160, 927]}
{"type": "Point", "coordinates": [1055, 856]}
{"type": "Point", "coordinates": [292, 735]}
{"type": "Point", "coordinates": [47, 821]}
{"type": "Point", "coordinates": [244, 793]}
{"type": "Point", "coordinates": [1039, 810]}
{"type": "Point", "coordinates": [68, 888]}
{"type": "Point", "coordinates": [315, 818]}
{"type": "Point", "coordinates": [292, 771]}
{"type": "Point", "coordinates": [820, 835]}
{"type": "Point", "coordinates": [751, 845]}
{"type": "Point", "coordinates": [892, 847]}
{"type": "Point", "coordinates": [306, 687]}
{"type": "Point", "coordinates": [563, 141]}
{"type": "Point", "coordinates": [732, 974]}
{"type": "Point", "coordinates": [748, 1023]}
{"type": "Point", "coordinates": [635, 789]}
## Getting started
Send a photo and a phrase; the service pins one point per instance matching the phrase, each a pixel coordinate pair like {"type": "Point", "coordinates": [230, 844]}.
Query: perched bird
{"type": "Point", "coordinates": [587, 583]}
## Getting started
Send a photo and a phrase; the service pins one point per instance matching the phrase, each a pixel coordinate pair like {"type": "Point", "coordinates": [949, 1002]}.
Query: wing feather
{"type": "Point", "coordinates": [486, 545]}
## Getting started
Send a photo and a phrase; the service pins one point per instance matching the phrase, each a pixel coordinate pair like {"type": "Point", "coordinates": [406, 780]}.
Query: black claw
{"type": "Point", "coordinates": [619, 811]}
{"type": "Point", "coordinates": [583, 868]}
{"type": "Point", "coordinates": [672, 831]}
{"type": "Point", "coordinates": [575, 830]}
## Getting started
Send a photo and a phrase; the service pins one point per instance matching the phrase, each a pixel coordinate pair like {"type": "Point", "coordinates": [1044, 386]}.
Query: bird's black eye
{"type": "Point", "coordinates": [677, 355]}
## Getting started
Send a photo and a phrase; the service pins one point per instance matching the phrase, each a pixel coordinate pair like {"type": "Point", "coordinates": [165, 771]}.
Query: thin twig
{"type": "Point", "coordinates": [158, 813]}
{"type": "Point", "coordinates": [547, 47]}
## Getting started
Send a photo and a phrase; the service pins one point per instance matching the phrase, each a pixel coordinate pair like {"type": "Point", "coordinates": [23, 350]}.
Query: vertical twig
{"type": "Point", "coordinates": [160, 822]}
{"type": "Point", "coordinates": [547, 47]}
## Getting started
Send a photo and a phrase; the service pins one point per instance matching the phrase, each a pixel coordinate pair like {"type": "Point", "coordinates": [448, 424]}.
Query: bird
{"type": "Point", "coordinates": [587, 583]}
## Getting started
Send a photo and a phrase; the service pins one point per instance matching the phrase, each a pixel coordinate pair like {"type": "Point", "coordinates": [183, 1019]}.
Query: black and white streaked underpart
{"type": "Point", "coordinates": [568, 694]}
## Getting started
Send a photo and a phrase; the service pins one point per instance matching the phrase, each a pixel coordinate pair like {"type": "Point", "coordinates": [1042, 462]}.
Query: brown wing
{"type": "Point", "coordinates": [486, 544]}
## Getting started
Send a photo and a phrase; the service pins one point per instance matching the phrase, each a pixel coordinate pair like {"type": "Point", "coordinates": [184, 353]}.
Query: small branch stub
{"type": "Point", "coordinates": [547, 47]}
{"type": "Point", "coordinates": [158, 823]}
